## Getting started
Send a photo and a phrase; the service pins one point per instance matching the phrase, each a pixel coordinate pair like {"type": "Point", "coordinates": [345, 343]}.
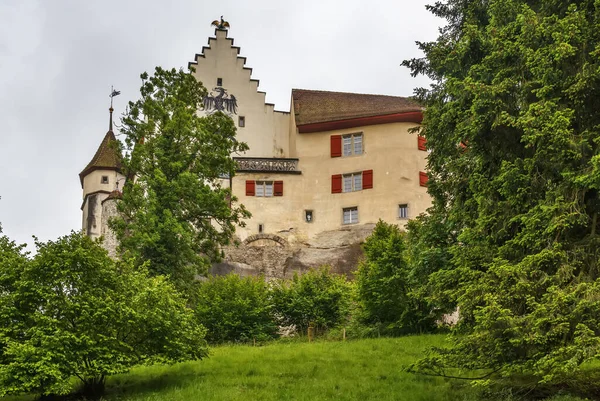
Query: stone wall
{"type": "Point", "coordinates": [272, 256]}
{"type": "Point", "coordinates": [109, 239]}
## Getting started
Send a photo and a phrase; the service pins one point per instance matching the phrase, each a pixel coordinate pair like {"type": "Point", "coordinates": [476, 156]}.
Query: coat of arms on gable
{"type": "Point", "coordinates": [220, 102]}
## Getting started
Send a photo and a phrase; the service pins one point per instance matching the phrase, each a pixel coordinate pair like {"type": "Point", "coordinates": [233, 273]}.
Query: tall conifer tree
{"type": "Point", "coordinates": [513, 125]}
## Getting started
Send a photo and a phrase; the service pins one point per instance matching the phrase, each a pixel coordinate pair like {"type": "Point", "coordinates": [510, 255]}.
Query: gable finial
{"type": "Point", "coordinates": [220, 24]}
{"type": "Point", "coordinates": [113, 93]}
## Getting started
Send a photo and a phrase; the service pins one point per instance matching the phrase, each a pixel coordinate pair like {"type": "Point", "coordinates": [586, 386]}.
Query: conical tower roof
{"type": "Point", "coordinates": [107, 157]}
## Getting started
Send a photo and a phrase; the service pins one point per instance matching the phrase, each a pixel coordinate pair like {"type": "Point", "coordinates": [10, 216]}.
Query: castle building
{"type": "Point", "coordinates": [316, 179]}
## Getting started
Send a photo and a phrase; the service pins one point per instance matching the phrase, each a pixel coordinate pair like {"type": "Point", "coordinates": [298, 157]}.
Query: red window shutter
{"type": "Point", "coordinates": [336, 184]}
{"type": "Point", "coordinates": [422, 142]}
{"type": "Point", "coordinates": [336, 145]}
{"type": "Point", "coordinates": [250, 188]}
{"type": "Point", "coordinates": [423, 178]}
{"type": "Point", "coordinates": [278, 188]}
{"type": "Point", "coordinates": [367, 179]}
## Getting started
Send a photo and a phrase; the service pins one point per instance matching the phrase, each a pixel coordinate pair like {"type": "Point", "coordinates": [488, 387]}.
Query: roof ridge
{"type": "Point", "coordinates": [348, 93]}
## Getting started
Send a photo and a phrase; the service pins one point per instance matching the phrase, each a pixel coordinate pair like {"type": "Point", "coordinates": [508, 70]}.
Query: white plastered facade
{"type": "Point", "coordinates": [389, 150]}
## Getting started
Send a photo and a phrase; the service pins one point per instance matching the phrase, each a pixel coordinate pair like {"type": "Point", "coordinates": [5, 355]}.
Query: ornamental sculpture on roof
{"type": "Point", "coordinates": [220, 24]}
{"type": "Point", "coordinates": [221, 102]}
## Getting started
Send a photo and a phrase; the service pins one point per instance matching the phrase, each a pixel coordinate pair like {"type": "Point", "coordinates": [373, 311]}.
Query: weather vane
{"type": "Point", "coordinates": [220, 24]}
{"type": "Point", "coordinates": [113, 93]}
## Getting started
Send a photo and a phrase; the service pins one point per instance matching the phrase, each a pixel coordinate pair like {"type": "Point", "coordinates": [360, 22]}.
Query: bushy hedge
{"type": "Point", "coordinates": [236, 309]}
{"type": "Point", "coordinates": [71, 311]}
{"type": "Point", "coordinates": [387, 302]}
{"type": "Point", "coordinates": [317, 297]}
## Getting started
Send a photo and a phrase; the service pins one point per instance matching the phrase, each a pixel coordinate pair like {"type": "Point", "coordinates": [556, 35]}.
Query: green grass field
{"type": "Point", "coordinates": [355, 370]}
{"type": "Point", "coordinates": [361, 370]}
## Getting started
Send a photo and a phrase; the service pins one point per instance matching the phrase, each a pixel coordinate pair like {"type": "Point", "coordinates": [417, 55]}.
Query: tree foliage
{"type": "Point", "coordinates": [175, 213]}
{"type": "Point", "coordinates": [512, 125]}
{"type": "Point", "coordinates": [236, 309]}
{"type": "Point", "coordinates": [385, 287]}
{"type": "Point", "coordinates": [71, 311]}
{"type": "Point", "coordinates": [317, 298]}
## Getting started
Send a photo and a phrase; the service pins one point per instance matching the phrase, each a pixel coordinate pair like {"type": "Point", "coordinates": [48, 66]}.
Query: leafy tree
{"type": "Point", "coordinates": [384, 286]}
{"type": "Point", "coordinates": [12, 260]}
{"type": "Point", "coordinates": [175, 214]}
{"type": "Point", "coordinates": [72, 311]}
{"type": "Point", "coordinates": [512, 124]}
{"type": "Point", "coordinates": [234, 308]}
{"type": "Point", "coordinates": [317, 297]}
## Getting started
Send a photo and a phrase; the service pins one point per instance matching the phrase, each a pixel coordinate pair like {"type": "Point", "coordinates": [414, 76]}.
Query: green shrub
{"type": "Point", "coordinates": [386, 302]}
{"type": "Point", "coordinates": [73, 312]}
{"type": "Point", "coordinates": [236, 309]}
{"type": "Point", "coordinates": [318, 297]}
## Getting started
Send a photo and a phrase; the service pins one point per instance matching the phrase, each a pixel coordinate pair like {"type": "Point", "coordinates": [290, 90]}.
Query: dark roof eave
{"type": "Point", "coordinates": [409, 116]}
{"type": "Point", "coordinates": [100, 191]}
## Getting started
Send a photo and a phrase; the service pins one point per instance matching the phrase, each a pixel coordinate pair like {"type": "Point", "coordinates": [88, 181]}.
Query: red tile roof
{"type": "Point", "coordinates": [107, 157]}
{"type": "Point", "coordinates": [312, 106]}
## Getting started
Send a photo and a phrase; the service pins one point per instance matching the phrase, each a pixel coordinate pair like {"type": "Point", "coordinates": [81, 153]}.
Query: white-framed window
{"type": "Point", "coordinates": [264, 188]}
{"type": "Point", "coordinates": [352, 182]}
{"type": "Point", "coordinates": [403, 211]}
{"type": "Point", "coordinates": [350, 215]}
{"type": "Point", "coordinates": [352, 144]}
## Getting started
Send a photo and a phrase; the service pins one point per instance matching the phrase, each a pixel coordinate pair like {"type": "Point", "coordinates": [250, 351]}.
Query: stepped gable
{"type": "Point", "coordinates": [193, 64]}
{"type": "Point", "coordinates": [315, 106]}
{"type": "Point", "coordinates": [107, 156]}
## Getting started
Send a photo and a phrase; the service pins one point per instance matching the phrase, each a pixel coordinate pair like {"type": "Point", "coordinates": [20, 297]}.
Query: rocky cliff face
{"type": "Point", "coordinates": [275, 256]}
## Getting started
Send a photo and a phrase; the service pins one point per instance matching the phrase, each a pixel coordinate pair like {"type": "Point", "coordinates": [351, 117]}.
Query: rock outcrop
{"type": "Point", "coordinates": [282, 255]}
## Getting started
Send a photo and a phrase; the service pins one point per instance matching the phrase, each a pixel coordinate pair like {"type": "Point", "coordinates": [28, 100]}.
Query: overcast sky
{"type": "Point", "coordinates": [59, 58]}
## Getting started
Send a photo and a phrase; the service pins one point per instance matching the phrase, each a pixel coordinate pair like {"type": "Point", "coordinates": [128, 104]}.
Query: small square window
{"type": "Point", "coordinates": [219, 81]}
{"type": "Point", "coordinates": [350, 215]}
{"type": "Point", "coordinates": [308, 216]}
{"type": "Point", "coordinates": [104, 179]}
{"type": "Point", "coordinates": [241, 121]}
{"type": "Point", "coordinates": [403, 211]}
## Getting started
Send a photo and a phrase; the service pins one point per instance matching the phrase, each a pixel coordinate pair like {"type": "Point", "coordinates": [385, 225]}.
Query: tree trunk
{"type": "Point", "coordinates": [93, 388]}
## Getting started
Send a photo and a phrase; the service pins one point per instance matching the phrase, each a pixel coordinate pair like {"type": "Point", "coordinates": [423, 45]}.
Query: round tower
{"type": "Point", "coordinates": [99, 179]}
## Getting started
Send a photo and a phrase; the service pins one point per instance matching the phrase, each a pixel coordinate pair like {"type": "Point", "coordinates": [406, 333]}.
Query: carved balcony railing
{"type": "Point", "coordinates": [267, 165]}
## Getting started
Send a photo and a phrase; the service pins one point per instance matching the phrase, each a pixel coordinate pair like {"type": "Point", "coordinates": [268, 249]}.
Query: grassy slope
{"type": "Point", "coordinates": [358, 370]}
{"type": "Point", "coordinates": [355, 370]}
